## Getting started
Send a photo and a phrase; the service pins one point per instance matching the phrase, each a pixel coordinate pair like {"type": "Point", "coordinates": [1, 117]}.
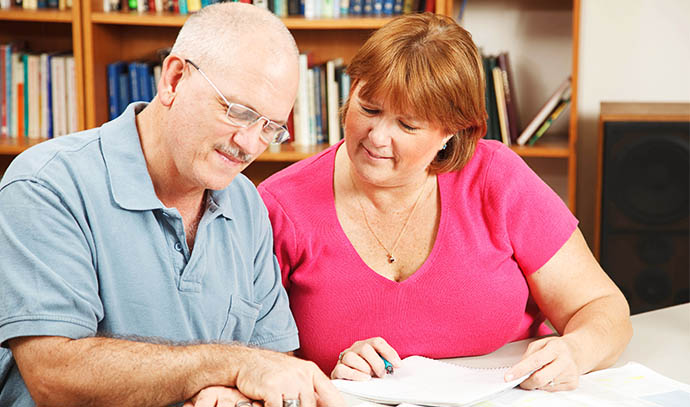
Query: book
{"type": "Point", "coordinates": [543, 113]}
{"type": "Point", "coordinates": [429, 382]}
{"type": "Point", "coordinates": [501, 105]}
{"type": "Point", "coordinates": [301, 108]}
{"type": "Point", "coordinates": [565, 101]}
{"type": "Point", "coordinates": [510, 96]}
{"type": "Point", "coordinates": [492, 126]}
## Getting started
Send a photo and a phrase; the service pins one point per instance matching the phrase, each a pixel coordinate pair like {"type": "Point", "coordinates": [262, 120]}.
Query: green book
{"type": "Point", "coordinates": [547, 123]}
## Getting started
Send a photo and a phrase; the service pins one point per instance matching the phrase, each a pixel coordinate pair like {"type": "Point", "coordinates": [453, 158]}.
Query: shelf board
{"type": "Point", "coordinates": [345, 23]}
{"type": "Point", "coordinates": [15, 146]}
{"type": "Point", "coordinates": [544, 149]}
{"type": "Point", "coordinates": [168, 19]}
{"type": "Point", "coordinates": [290, 152]}
{"type": "Point", "coordinates": [160, 19]}
{"type": "Point", "coordinates": [43, 16]}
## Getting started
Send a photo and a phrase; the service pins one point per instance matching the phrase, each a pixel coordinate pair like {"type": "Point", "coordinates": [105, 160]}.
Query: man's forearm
{"type": "Point", "coordinates": [107, 371]}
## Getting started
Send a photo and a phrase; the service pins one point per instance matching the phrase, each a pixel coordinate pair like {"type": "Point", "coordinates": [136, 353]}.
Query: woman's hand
{"type": "Point", "coordinates": [219, 396]}
{"type": "Point", "coordinates": [363, 360]}
{"type": "Point", "coordinates": [553, 363]}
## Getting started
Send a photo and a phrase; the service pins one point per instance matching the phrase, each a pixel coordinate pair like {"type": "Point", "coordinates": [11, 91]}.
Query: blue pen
{"type": "Point", "coordinates": [389, 367]}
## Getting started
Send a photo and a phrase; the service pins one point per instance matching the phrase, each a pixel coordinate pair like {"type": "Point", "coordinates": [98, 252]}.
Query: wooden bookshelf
{"type": "Point", "coordinates": [15, 146]}
{"type": "Point", "coordinates": [127, 36]}
{"type": "Point", "coordinates": [47, 31]}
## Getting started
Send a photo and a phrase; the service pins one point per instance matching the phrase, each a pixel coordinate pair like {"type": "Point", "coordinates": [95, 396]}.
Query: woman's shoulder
{"type": "Point", "coordinates": [305, 177]}
{"type": "Point", "coordinates": [488, 155]}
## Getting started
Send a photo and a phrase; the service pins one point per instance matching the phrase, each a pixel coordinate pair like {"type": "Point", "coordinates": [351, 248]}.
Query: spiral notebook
{"type": "Point", "coordinates": [430, 382]}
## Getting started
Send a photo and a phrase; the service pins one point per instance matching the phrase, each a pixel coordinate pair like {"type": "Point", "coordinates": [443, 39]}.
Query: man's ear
{"type": "Point", "coordinates": [171, 73]}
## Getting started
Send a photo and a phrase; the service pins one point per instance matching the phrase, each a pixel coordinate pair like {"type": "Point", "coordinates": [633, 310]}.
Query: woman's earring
{"type": "Point", "coordinates": [444, 146]}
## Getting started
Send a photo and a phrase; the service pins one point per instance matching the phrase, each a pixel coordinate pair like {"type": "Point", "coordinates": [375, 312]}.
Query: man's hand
{"type": "Point", "coordinates": [272, 377]}
{"type": "Point", "coordinates": [219, 396]}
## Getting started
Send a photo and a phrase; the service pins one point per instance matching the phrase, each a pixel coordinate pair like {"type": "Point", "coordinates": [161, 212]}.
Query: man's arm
{"type": "Point", "coordinates": [99, 371]}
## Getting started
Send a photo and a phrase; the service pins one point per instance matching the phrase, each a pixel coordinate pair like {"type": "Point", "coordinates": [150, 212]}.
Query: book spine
{"type": "Point", "coordinates": [49, 95]}
{"type": "Point", "coordinates": [3, 101]}
{"type": "Point", "coordinates": [43, 61]}
{"type": "Point", "coordinates": [113, 90]}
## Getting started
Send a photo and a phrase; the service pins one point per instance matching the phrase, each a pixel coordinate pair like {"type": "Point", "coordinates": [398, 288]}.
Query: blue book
{"type": "Point", "coordinates": [388, 7]}
{"type": "Point", "coordinates": [134, 82]}
{"type": "Point", "coordinates": [317, 103]}
{"type": "Point", "coordinates": [368, 7]}
{"type": "Point", "coordinates": [378, 7]}
{"type": "Point", "coordinates": [113, 73]}
{"type": "Point", "coordinates": [397, 7]}
{"type": "Point", "coordinates": [49, 95]}
{"type": "Point", "coordinates": [356, 7]}
{"type": "Point", "coordinates": [182, 4]}
{"type": "Point", "coordinates": [125, 92]}
{"type": "Point", "coordinates": [144, 81]}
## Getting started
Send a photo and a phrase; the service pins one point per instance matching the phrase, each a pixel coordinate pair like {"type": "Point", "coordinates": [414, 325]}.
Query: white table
{"type": "Point", "coordinates": [661, 341]}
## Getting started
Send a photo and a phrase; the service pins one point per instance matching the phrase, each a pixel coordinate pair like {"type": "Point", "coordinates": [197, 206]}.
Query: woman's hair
{"type": "Point", "coordinates": [428, 66]}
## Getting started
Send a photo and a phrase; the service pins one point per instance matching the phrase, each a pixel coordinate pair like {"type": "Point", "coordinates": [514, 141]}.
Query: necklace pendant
{"type": "Point", "coordinates": [391, 259]}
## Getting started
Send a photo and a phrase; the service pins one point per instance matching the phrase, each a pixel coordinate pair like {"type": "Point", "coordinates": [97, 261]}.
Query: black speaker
{"type": "Point", "coordinates": [644, 212]}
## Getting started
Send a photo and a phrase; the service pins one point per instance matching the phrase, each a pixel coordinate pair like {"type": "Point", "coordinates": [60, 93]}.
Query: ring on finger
{"type": "Point", "coordinates": [340, 357]}
{"type": "Point", "coordinates": [291, 403]}
{"type": "Point", "coordinates": [243, 403]}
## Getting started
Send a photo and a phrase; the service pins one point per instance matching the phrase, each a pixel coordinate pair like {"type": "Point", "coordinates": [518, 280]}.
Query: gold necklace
{"type": "Point", "coordinates": [391, 258]}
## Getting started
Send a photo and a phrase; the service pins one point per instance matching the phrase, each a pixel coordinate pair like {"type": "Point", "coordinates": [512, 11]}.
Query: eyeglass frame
{"type": "Point", "coordinates": [281, 133]}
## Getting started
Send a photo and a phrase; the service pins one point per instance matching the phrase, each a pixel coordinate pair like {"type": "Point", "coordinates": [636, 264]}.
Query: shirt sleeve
{"type": "Point", "coordinates": [275, 327]}
{"type": "Point", "coordinates": [525, 210]}
{"type": "Point", "coordinates": [49, 284]}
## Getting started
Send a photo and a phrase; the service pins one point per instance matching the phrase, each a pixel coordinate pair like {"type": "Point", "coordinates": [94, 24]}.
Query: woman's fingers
{"type": "Point", "coordinates": [342, 371]}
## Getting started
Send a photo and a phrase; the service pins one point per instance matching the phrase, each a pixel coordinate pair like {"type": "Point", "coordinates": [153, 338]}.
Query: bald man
{"type": "Point", "coordinates": [137, 262]}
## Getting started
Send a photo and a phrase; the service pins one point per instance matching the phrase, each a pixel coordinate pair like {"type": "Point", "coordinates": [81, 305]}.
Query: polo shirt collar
{"type": "Point", "coordinates": [130, 181]}
{"type": "Point", "coordinates": [221, 200]}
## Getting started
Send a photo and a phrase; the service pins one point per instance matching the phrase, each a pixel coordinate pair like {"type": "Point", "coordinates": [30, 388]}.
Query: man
{"type": "Point", "coordinates": [134, 257]}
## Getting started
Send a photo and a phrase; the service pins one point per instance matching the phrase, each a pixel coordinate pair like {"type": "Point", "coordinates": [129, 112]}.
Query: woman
{"type": "Point", "coordinates": [414, 236]}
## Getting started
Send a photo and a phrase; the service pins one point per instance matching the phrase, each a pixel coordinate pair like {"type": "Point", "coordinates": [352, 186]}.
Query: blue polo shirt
{"type": "Point", "coordinates": [87, 248]}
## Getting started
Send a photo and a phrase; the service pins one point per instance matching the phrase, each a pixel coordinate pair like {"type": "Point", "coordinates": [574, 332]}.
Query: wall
{"type": "Point", "coordinates": [630, 50]}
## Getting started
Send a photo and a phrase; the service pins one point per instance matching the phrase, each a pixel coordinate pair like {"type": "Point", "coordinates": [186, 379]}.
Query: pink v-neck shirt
{"type": "Point", "coordinates": [499, 222]}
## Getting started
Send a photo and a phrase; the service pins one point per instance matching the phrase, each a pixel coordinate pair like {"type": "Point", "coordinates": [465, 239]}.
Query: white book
{"type": "Point", "coordinates": [301, 109]}
{"type": "Point", "coordinates": [34, 76]}
{"type": "Point", "coordinates": [543, 113]}
{"type": "Point", "coordinates": [71, 93]}
{"type": "Point", "coordinates": [311, 107]}
{"type": "Point", "coordinates": [332, 105]}
{"type": "Point", "coordinates": [59, 96]}
{"type": "Point", "coordinates": [431, 383]}
{"type": "Point", "coordinates": [501, 105]}
{"type": "Point", "coordinates": [261, 3]}
{"type": "Point", "coordinates": [45, 108]}
{"type": "Point", "coordinates": [159, 6]}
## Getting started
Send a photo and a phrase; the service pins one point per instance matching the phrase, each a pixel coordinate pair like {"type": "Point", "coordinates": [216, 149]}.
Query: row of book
{"type": "Point", "coordinates": [36, 4]}
{"type": "Point", "coordinates": [38, 95]}
{"type": "Point", "coordinates": [503, 122]}
{"type": "Point", "coordinates": [315, 118]}
{"type": "Point", "coordinates": [130, 82]}
{"type": "Point", "coordinates": [282, 8]}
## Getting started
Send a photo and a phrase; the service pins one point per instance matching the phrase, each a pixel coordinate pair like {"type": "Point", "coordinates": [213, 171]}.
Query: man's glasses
{"type": "Point", "coordinates": [242, 116]}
